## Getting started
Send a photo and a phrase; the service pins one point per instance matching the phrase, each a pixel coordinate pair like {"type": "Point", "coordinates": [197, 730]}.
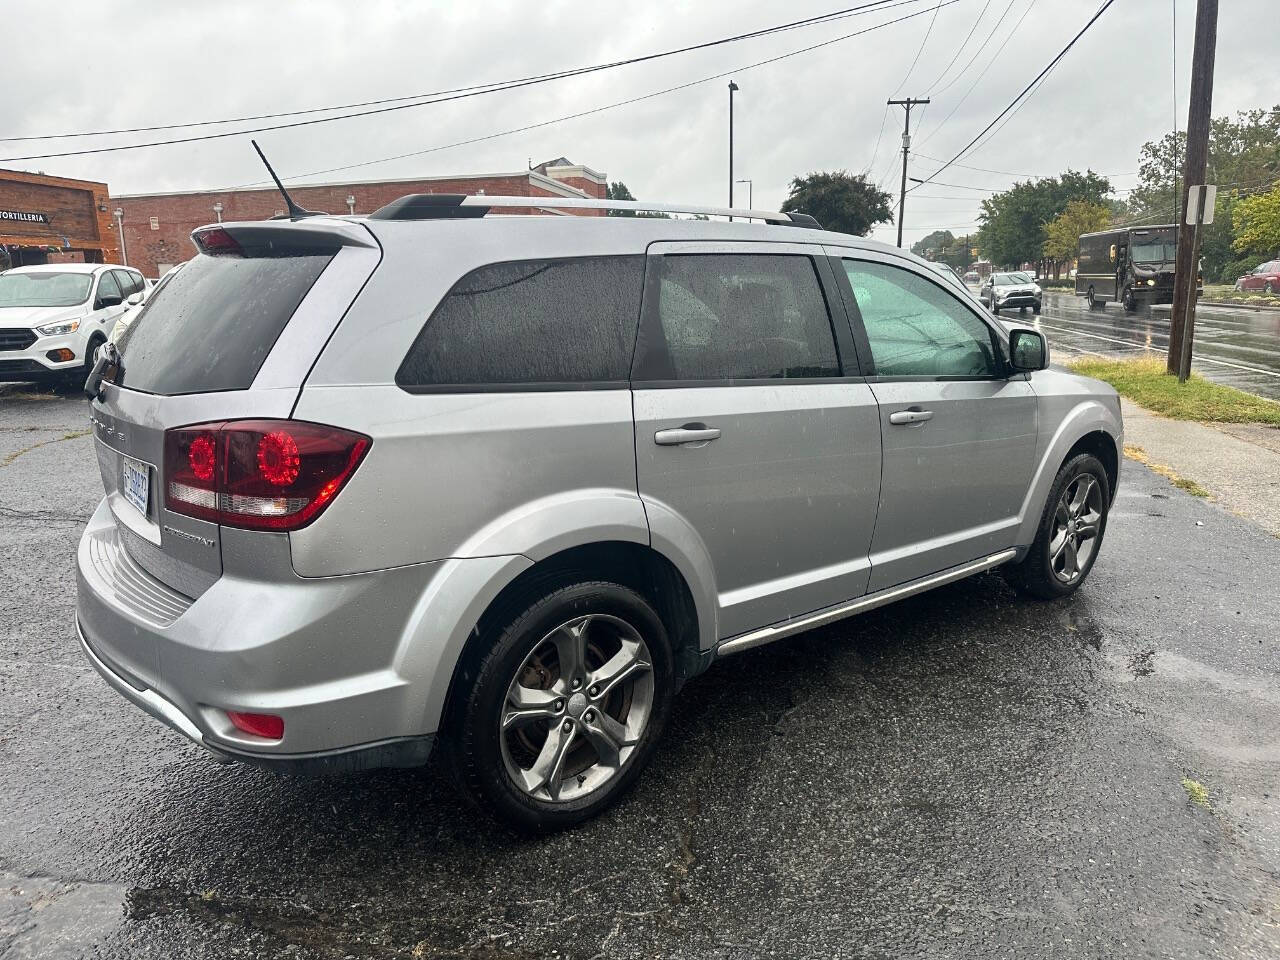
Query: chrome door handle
{"type": "Point", "coordinates": [910, 416]}
{"type": "Point", "coordinates": [690, 433]}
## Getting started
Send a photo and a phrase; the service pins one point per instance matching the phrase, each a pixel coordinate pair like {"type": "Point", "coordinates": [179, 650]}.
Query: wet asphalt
{"type": "Point", "coordinates": [1236, 346]}
{"type": "Point", "coordinates": [965, 774]}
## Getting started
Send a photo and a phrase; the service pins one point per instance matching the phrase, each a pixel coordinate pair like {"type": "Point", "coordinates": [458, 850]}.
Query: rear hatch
{"type": "Point", "coordinates": [231, 336]}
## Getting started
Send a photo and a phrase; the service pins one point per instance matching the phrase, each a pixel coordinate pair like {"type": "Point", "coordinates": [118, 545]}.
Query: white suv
{"type": "Point", "coordinates": [54, 317]}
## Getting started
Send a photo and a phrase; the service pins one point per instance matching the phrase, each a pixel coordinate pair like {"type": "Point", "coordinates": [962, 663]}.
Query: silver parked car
{"type": "Point", "coordinates": [503, 484]}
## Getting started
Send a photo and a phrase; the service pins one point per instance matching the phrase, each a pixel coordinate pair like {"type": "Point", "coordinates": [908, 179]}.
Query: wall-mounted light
{"type": "Point", "coordinates": [351, 204]}
{"type": "Point", "coordinates": [217, 209]}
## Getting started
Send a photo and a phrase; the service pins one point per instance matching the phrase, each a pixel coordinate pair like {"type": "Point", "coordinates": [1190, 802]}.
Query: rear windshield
{"type": "Point", "coordinates": [211, 326]}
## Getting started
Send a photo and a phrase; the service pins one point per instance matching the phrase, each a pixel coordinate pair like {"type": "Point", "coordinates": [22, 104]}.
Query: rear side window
{"type": "Point", "coordinates": [211, 326]}
{"type": "Point", "coordinates": [547, 322]}
{"type": "Point", "coordinates": [737, 317]}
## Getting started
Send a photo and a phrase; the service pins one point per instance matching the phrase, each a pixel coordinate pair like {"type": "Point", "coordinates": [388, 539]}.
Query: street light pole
{"type": "Point", "coordinates": [751, 192]}
{"type": "Point", "coordinates": [906, 146]}
{"type": "Point", "coordinates": [733, 88]}
{"type": "Point", "coordinates": [124, 253]}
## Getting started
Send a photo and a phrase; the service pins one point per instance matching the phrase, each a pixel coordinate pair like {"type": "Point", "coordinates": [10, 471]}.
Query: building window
{"type": "Point", "coordinates": [155, 223]}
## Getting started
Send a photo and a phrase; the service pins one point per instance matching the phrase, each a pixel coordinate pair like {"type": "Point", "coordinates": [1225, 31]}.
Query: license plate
{"type": "Point", "coordinates": [135, 482]}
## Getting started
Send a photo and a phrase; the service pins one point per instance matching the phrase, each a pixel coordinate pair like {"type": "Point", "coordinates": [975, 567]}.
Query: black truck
{"type": "Point", "coordinates": [1132, 264]}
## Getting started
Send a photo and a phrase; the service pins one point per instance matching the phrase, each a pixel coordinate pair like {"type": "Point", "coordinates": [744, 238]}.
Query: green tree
{"type": "Point", "coordinates": [1062, 233]}
{"type": "Point", "coordinates": [618, 191]}
{"type": "Point", "coordinates": [1256, 220]}
{"type": "Point", "coordinates": [932, 246]}
{"type": "Point", "coordinates": [840, 201]}
{"type": "Point", "coordinates": [1013, 222]}
{"type": "Point", "coordinates": [1244, 154]}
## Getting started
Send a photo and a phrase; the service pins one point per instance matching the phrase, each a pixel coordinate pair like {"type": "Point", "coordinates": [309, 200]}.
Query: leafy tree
{"type": "Point", "coordinates": [934, 244]}
{"type": "Point", "coordinates": [1062, 233]}
{"type": "Point", "coordinates": [1013, 222]}
{"type": "Point", "coordinates": [1244, 153]}
{"type": "Point", "coordinates": [1256, 220]}
{"type": "Point", "coordinates": [840, 201]}
{"type": "Point", "coordinates": [618, 191]}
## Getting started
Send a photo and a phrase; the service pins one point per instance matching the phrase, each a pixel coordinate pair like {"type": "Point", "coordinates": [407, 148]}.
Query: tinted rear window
{"type": "Point", "coordinates": [545, 322]}
{"type": "Point", "coordinates": [211, 326]}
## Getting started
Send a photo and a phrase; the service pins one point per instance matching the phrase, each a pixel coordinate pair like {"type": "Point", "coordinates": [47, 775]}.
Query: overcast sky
{"type": "Point", "coordinates": [89, 67]}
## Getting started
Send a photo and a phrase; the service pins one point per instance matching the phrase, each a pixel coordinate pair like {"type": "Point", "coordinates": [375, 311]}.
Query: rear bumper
{"type": "Point", "coordinates": [404, 752]}
{"type": "Point", "coordinates": [358, 666]}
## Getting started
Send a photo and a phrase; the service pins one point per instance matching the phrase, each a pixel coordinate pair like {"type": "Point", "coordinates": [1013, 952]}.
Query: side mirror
{"type": "Point", "coordinates": [1028, 350]}
{"type": "Point", "coordinates": [135, 300]}
{"type": "Point", "coordinates": [107, 300]}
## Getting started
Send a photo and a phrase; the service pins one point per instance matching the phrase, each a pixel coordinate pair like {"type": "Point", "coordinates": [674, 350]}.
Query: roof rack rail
{"type": "Point", "coordinates": [449, 206]}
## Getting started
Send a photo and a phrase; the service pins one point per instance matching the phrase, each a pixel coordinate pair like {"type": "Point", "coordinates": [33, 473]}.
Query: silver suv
{"type": "Point", "coordinates": [504, 484]}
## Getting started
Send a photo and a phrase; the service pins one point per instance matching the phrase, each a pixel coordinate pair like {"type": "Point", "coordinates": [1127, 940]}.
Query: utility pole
{"type": "Point", "coordinates": [906, 147]}
{"type": "Point", "coordinates": [1187, 264]}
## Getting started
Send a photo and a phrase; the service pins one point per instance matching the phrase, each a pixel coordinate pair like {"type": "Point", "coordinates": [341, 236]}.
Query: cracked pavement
{"type": "Point", "coordinates": [963, 774]}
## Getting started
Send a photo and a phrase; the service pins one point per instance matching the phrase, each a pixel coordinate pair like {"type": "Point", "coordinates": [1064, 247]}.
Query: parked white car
{"type": "Point", "coordinates": [127, 318]}
{"type": "Point", "coordinates": [54, 317]}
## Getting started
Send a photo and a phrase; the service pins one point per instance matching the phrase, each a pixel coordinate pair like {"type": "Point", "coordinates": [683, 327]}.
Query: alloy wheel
{"type": "Point", "coordinates": [1077, 522]}
{"type": "Point", "coordinates": [577, 708]}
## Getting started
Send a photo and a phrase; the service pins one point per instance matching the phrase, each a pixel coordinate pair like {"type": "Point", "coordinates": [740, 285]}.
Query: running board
{"type": "Point", "coordinates": [765, 635]}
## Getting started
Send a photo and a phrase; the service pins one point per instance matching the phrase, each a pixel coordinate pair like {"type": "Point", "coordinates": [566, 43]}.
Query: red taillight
{"type": "Point", "coordinates": [216, 242]}
{"type": "Point", "coordinates": [258, 474]}
{"type": "Point", "coordinates": [266, 725]}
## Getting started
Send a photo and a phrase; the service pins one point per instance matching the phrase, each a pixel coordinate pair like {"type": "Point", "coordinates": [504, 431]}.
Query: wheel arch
{"type": "Point", "coordinates": [636, 565]}
{"type": "Point", "coordinates": [1089, 427]}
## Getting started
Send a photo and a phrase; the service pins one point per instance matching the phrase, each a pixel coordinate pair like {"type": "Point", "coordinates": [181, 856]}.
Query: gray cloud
{"type": "Point", "coordinates": [130, 63]}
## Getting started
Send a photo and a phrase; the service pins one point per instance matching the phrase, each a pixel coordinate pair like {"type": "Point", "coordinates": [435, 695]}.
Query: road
{"type": "Point", "coordinates": [966, 774]}
{"type": "Point", "coordinates": [1235, 346]}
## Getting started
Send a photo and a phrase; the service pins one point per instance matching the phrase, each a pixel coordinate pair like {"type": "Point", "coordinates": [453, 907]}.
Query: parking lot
{"type": "Point", "coordinates": [963, 774]}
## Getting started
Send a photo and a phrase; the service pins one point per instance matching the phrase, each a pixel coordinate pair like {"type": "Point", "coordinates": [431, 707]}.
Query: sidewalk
{"type": "Point", "coordinates": [1238, 463]}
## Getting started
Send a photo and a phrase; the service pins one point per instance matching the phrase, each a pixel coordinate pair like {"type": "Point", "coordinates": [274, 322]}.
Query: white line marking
{"type": "Point", "coordinates": [1130, 343]}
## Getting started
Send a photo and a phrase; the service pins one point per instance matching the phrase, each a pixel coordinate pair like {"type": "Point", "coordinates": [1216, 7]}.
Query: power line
{"type": "Point", "coordinates": [611, 106]}
{"type": "Point", "coordinates": [982, 46]}
{"type": "Point", "coordinates": [1041, 75]}
{"type": "Point", "coordinates": [873, 6]}
{"type": "Point", "coordinates": [764, 31]}
{"type": "Point", "coordinates": [978, 78]}
{"type": "Point", "coordinates": [1008, 173]}
{"type": "Point", "coordinates": [960, 49]}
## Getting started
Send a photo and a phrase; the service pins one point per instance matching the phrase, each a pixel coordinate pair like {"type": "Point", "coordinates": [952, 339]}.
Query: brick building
{"type": "Point", "coordinates": [157, 227]}
{"type": "Point", "coordinates": [54, 220]}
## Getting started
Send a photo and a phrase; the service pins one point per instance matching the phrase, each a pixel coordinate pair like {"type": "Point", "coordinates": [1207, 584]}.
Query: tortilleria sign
{"type": "Point", "coordinates": [23, 216]}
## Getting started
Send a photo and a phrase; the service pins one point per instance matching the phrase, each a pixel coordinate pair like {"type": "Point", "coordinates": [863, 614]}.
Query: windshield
{"type": "Point", "coordinates": [44, 289]}
{"type": "Point", "coordinates": [1151, 252]}
{"type": "Point", "coordinates": [1010, 279]}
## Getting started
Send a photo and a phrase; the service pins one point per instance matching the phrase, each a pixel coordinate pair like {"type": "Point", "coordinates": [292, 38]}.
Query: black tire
{"type": "Point", "coordinates": [474, 739]}
{"type": "Point", "coordinates": [1036, 309]}
{"type": "Point", "coordinates": [1034, 574]}
{"type": "Point", "coordinates": [1091, 300]}
{"type": "Point", "coordinates": [1130, 302]}
{"type": "Point", "coordinates": [76, 378]}
{"type": "Point", "coordinates": [1022, 311]}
